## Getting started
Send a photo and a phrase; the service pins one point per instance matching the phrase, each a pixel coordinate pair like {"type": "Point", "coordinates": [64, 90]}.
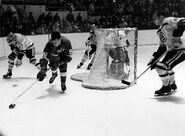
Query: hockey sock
{"type": "Point", "coordinates": [171, 77]}
{"type": "Point", "coordinates": [85, 57]}
{"type": "Point", "coordinates": [165, 79]}
{"type": "Point", "coordinates": [10, 65]}
{"type": "Point", "coordinates": [63, 79]}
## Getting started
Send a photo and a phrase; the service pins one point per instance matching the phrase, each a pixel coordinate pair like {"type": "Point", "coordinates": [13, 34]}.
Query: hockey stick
{"type": "Point", "coordinates": [132, 83]}
{"type": "Point", "coordinates": [18, 76]}
{"type": "Point", "coordinates": [12, 105]}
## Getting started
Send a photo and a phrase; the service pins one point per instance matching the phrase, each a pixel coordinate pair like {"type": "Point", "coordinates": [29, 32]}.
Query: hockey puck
{"type": "Point", "coordinates": [11, 106]}
{"type": "Point", "coordinates": [14, 85]}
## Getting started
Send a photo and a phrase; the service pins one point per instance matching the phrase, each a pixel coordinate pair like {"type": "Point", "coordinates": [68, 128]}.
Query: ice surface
{"type": "Point", "coordinates": [134, 111]}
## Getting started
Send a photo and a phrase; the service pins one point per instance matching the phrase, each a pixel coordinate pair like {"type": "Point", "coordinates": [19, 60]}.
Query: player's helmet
{"type": "Point", "coordinates": [55, 35]}
{"type": "Point", "coordinates": [11, 38]}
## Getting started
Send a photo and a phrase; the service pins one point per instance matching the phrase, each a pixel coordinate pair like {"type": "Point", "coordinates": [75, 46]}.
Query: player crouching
{"type": "Point", "coordinates": [20, 45]}
{"type": "Point", "coordinates": [58, 53]}
{"type": "Point", "coordinates": [169, 32]}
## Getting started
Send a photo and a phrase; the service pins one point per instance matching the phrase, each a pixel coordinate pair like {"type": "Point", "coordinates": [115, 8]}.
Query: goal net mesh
{"type": "Point", "coordinates": [115, 59]}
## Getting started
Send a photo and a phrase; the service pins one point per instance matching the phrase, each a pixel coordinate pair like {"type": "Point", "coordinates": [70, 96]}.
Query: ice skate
{"type": "Point", "coordinates": [89, 66]}
{"type": "Point", "coordinates": [54, 75]}
{"type": "Point", "coordinates": [63, 87]}
{"type": "Point", "coordinates": [164, 91]}
{"type": "Point", "coordinates": [7, 75]}
{"type": "Point", "coordinates": [173, 87]}
{"type": "Point", "coordinates": [79, 65]}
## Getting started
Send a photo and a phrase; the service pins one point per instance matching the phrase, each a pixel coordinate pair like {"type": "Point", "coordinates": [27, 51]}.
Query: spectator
{"type": "Point", "coordinates": [79, 18]}
{"type": "Point", "coordinates": [56, 18]}
{"type": "Point", "coordinates": [31, 18]}
{"type": "Point", "coordinates": [70, 17]}
{"type": "Point", "coordinates": [1, 18]}
{"type": "Point", "coordinates": [48, 19]}
{"type": "Point", "coordinates": [41, 19]}
{"type": "Point", "coordinates": [8, 14]}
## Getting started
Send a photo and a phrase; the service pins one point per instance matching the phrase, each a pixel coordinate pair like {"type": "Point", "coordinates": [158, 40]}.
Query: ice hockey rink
{"type": "Point", "coordinates": [43, 111]}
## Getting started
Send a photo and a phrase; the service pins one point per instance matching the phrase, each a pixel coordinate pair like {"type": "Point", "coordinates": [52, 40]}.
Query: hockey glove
{"type": "Point", "coordinates": [41, 75]}
{"type": "Point", "coordinates": [151, 62]}
{"type": "Point", "coordinates": [18, 63]}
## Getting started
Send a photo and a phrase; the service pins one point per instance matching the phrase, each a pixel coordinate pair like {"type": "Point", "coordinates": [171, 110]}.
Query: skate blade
{"type": "Point", "coordinates": [166, 94]}
{"type": "Point", "coordinates": [6, 77]}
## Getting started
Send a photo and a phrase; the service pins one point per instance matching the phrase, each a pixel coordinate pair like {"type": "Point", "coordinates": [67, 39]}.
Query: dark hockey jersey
{"type": "Point", "coordinates": [91, 41]}
{"type": "Point", "coordinates": [56, 53]}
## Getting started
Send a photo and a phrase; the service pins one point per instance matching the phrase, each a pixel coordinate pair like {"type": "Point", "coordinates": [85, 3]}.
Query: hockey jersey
{"type": "Point", "coordinates": [91, 41]}
{"type": "Point", "coordinates": [54, 53]}
{"type": "Point", "coordinates": [22, 42]}
{"type": "Point", "coordinates": [166, 33]}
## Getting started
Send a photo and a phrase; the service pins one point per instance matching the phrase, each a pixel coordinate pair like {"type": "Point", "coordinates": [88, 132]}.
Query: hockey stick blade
{"type": "Point", "coordinates": [12, 105]}
{"type": "Point", "coordinates": [131, 83]}
{"type": "Point", "coordinates": [125, 82]}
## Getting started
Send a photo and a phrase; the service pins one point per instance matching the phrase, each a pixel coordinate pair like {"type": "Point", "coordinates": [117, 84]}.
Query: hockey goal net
{"type": "Point", "coordinates": [115, 60]}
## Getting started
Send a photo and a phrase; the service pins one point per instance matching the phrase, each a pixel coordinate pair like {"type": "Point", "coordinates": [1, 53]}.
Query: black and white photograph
{"type": "Point", "coordinates": [92, 67]}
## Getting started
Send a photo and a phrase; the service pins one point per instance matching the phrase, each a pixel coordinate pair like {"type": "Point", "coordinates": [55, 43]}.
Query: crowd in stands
{"type": "Point", "coordinates": [110, 13]}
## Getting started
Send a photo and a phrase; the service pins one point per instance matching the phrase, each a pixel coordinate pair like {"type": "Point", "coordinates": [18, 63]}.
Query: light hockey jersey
{"type": "Point", "coordinates": [166, 31]}
{"type": "Point", "coordinates": [23, 42]}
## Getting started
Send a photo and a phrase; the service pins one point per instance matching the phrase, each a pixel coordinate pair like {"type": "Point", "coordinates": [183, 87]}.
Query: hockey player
{"type": "Point", "coordinates": [20, 45]}
{"type": "Point", "coordinates": [120, 64]}
{"type": "Point", "coordinates": [169, 32]}
{"type": "Point", "coordinates": [91, 49]}
{"type": "Point", "coordinates": [58, 53]}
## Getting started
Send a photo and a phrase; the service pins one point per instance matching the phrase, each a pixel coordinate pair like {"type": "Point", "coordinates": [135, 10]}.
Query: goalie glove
{"type": "Point", "coordinates": [18, 63]}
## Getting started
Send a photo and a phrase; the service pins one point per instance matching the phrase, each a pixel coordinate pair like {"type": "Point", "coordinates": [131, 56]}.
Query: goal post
{"type": "Point", "coordinates": [115, 60]}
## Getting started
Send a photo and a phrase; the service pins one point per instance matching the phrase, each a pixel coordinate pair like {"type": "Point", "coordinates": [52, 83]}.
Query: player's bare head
{"type": "Point", "coordinates": [56, 38]}
{"type": "Point", "coordinates": [160, 16]}
{"type": "Point", "coordinates": [11, 38]}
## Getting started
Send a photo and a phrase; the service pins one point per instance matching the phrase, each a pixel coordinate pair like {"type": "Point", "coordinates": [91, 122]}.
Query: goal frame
{"type": "Point", "coordinates": [83, 77]}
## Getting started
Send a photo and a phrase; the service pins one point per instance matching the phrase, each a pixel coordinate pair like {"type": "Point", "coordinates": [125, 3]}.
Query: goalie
{"type": "Point", "coordinates": [169, 32]}
{"type": "Point", "coordinates": [120, 64]}
{"type": "Point", "coordinates": [90, 52]}
{"type": "Point", "coordinates": [20, 45]}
